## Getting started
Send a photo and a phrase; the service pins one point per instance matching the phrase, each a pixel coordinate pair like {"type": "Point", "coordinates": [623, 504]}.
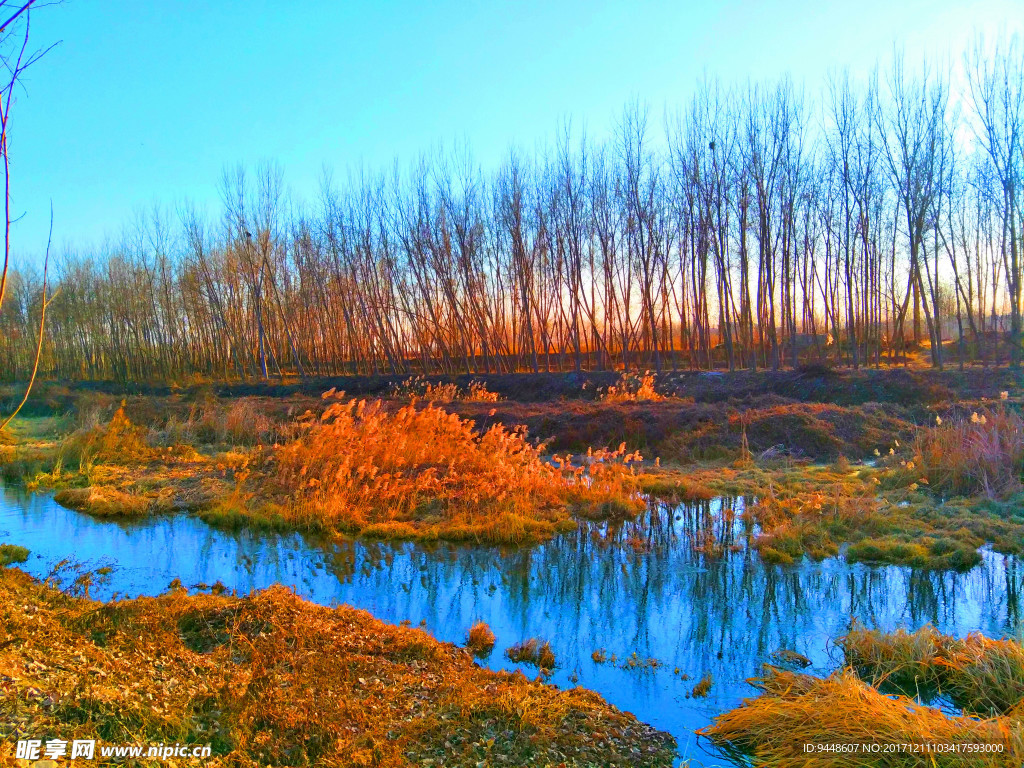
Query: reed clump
{"type": "Point", "coordinates": [978, 455]}
{"type": "Point", "coordinates": [419, 387]}
{"type": "Point", "coordinates": [422, 472]}
{"type": "Point", "coordinates": [241, 422]}
{"type": "Point", "coordinates": [118, 441]}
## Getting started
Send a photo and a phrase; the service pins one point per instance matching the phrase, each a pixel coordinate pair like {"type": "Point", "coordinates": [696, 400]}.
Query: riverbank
{"type": "Point", "coordinates": [272, 679]}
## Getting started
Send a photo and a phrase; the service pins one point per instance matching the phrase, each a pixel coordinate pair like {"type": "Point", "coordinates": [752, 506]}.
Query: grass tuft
{"type": "Point", "coordinates": [480, 639]}
{"type": "Point", "coordinates": [532, 651]}
{"type": "Point", "coordinates": [11, 554]}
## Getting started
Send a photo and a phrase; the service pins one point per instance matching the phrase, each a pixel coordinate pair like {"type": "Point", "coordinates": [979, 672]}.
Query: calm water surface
{"type": "Point", "coordinates": [643, 588]}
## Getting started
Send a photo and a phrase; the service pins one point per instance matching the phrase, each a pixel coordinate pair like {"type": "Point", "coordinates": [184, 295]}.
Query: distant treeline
{"type": "Point", "coordinates": [761, 229]}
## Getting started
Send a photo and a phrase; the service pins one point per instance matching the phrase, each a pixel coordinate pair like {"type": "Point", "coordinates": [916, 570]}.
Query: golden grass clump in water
{"type": "Point", "coordinates": [420, 471]}
{"type": "Point", "coordinates": [270, 679]}
{"type": "Point", "coordinates": [480, 639]}
{"type": "Point", "coordinates": [981, 675]}
{"type": "Point", "coordinates": [242, 422]}
{"type": "Point", "coordinates": [795, 710]}
{"type": "Point", "coordinates": [703, 687]}
{"type": "Point", "coordinates": [104, 502]}
{"type": "Point", "coordinates": [532, 651]}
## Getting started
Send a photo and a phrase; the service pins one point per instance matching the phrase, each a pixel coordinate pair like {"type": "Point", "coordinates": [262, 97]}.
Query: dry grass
{"type": "Point", "coordinates": [272, 680]}
{"type": "Point", "coordinates": [420, 388]}
{"type": "Point", "coordinates": [239, 422]}
{"type": "Point", "coordinates": [408, 472]}
{"type": "Point", "coordinates": [631, 387]}
{"type": "Point", "coordinates": [796, 709]}
{"type": "Point", "coordinates": [787, 657]}
{"type": "Point", "coordinates": [480, 639]}
{"type": "Point", "coordinates": [983, 454]}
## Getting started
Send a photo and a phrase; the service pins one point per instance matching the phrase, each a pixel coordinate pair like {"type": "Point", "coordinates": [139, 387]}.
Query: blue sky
{"type": "Point", "coordinates": [147, 102]}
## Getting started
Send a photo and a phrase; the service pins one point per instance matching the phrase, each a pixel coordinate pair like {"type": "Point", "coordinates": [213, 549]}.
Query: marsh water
{"type": "Point", "coordinates": [678, 585]}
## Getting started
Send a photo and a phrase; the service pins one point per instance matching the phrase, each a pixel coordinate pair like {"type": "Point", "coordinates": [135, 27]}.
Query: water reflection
{"type": "Point", "coordinates": [678, 584]}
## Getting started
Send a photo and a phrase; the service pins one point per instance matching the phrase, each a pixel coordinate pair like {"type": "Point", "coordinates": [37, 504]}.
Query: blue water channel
{"type": "Point", "coordinates": [679, 585]}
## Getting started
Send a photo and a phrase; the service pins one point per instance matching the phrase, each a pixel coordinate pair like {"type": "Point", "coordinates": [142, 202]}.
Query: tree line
{"type": "Point", "coordinates": [757, 228]}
